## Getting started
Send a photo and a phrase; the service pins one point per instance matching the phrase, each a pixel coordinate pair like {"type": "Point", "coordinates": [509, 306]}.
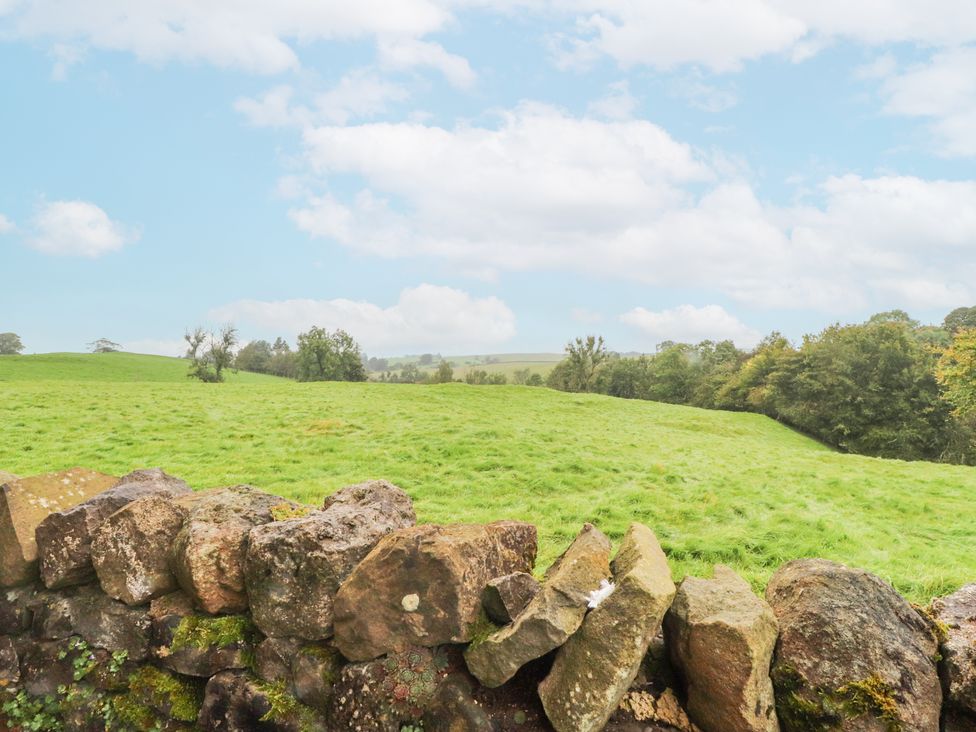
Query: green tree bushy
{"type": "Point", "coordinates": [329, 356]}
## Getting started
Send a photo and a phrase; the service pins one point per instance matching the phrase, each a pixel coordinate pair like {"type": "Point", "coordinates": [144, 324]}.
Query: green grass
{"type": "Point", "coordinates": [105, 367]}
{"type": "Point", "coordinates": [715, 486]}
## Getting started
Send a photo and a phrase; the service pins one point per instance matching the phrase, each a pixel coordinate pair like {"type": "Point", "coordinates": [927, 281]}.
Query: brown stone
{"type": "Point", "coordinates": [852, 654]}
{"type": "Point", "coordinates": [598, 663]}
{"type": "Point", "coordinates": [209, 550]}
{"type": "Point", "coordinates": [15, 609]}
{"type": "Point", "coordinates": [551, 617]}
{"type": "Point", "coordinates": [99, 620]}
{"type": "Point", "coordinates": [26, 502]}
{"type": "Point", "coordinates": [422, 585]}
{"type": "Point", "coordinates": [9, 662]}
{"type": "Point", "coordinates": [131, 550]}
{"type": "Point", "coordinates": [64, 538]}
{"type": "Point", "coordinates": [506, 597]}
{"type": "Point", "coordinates": [236, 702]}
{"type": "Point", "coordinates": [957, 613]}
{"type": "Point", "coordinates": [721, 637]}
{"type": "Point", "coordinates": [294, 567]}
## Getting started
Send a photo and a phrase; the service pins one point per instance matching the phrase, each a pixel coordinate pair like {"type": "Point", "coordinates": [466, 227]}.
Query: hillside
{"type": "Point", "coordinates": [715, 486]}
{"type": "Point", "coordinates": [104, 367]}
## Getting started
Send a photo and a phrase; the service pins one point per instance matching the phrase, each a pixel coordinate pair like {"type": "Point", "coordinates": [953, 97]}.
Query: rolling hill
{"type": "Point", "coordinates": [725, 487]}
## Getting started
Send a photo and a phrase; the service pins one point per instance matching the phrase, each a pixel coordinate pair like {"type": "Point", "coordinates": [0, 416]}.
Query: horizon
{"type": "Point", "coordinates": [478, 178]}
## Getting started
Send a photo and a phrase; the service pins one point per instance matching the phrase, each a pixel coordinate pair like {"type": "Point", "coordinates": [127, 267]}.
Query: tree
{"type": "Point", "coordinates": [444, 374]}
{"type": "Point", "coordinates": [893, 316]}
{"type": "Point", "coordinates": [960, 319]}
{"type": "Point", "coordinates": [104, 345]}
{"type": "Point", "coordinates": [10, 344]}
{"type": "Point", "coordinates": [210, 354]}
{"type": "Point", "coordinates": [256, 356]}
{"type": "Point", "coordinates": [583, 357]}
{"type": "Point", "coordinates": [956, 372]}
{"type": "Point", "coordinates": [427, 359]}
{"type": "Point", "coordinates": [325, 356]}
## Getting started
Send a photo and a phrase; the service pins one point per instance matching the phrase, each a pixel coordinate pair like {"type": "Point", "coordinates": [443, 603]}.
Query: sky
{"type": "Point", "coordinates": [482, 176]}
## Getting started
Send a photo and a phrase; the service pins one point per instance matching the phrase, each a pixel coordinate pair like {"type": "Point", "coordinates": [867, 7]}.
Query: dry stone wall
{"type": "Point", "coordinates": [134, 603]}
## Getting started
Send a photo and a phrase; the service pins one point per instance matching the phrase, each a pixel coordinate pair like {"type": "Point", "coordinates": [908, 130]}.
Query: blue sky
{"type": "Point", "coordinates": [482, 176]}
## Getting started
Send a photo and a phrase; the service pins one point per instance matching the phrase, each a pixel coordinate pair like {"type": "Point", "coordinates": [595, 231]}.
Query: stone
{"type": "Point", "coordinates": [64, 538]}
{"type": "Point", "coordinates": [294, 567]}
{"type": "Point", "coordinates": [852, 654]}
{"type": "Point", "coordinates": [15, 609]}
{"type": "Point", "coordinates": [957, 614]}
{"type": "Point", "coordinates": [235, 701]}
{"type": "Point", "coordinates": [386, 693]}
{"type": "Point", "coordinates": [9, 662]}
{"type": "Point", "coordinates": [642, 711]}
{"type": "Point", "coordinates": [314, 671]}
{"type": "Point", "coordinates": [44, 666]}
{"type": "Point", "coordinates": [597, 664]}
{"type": "Point", "coordinates": [209, 550]}
{"type": "Point", "coordinates": [101, 621]}
{"type": "Point", "coordinates": [453, 709]}
{"type": "Point", "coordinates": [446, 567]}
{"type": "Point", "coordinates": [26, 502]}
{"type": "Point", "coordinates": [381, 496]}
{"type": "Point", "coordinates": [507, 596]}
{"type": "Point", "coordinates": [195, 645]}
{"type": "Point", "coordinates": [131, 549]}
{"type": "Point", "coordinates": [551, 617]}
{"type": "Point", "coordinates": [273, 658]}
{"type": "Point", "coordinates": [721, 638]}
{"type": "Point", "coordinates": [6, 477]}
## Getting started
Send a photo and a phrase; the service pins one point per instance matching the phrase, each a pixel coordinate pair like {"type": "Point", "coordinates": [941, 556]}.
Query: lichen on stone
{"type": "Point", "coordinates": [875, 697]}
{"type": "Point", "coordinates": [285, 511]}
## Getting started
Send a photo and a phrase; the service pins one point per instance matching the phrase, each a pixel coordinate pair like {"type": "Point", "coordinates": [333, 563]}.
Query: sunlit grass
{"type": "Point", "coordinates": [716, 486]}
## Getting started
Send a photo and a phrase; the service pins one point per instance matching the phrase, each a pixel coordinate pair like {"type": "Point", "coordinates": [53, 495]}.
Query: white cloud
{"type": "Point", "coordinates": [250, 35]}
{"type": "Point", "coordinates": [942, 90]}
{"type": "Point", "coordinates": [690, 324]}
{"type": "Point", "coordinates": [360, 94]}
{"type": "Point", "coordinates": [427, 317]}
{"type": "Point", "coordinates": [704, 96]}
{"type": "Point", "coordinates": [618, 104]}
{"type": "Point", "coordinates": [77, 228]}
{"type": "Point", "coordinates": [721, 35]}
{"type": "Point", "coordinates": [546, 191]}
{"type": "Point", "coordinates": [6, 225]}
{"type": "Point", "coordinates": [409, 53]}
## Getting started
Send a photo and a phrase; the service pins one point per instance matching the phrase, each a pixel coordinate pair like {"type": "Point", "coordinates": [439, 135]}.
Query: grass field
{"type": "Point", "coordinates": [715, 486]}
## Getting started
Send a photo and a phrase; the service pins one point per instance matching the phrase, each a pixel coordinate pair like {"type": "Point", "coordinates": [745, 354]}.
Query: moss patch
{"type": "Point", "coordinates": [285, 511]}
{"type": "Point", "coordinates": [481, 629]}
{"type": "Point", "coordinates": [875, 697]}
{"type": "Point", "coordinates": [172, 695]}
{"type": "Point", "coordinates": [284, 707]}
{"type": "Point", "coordinates": [202, 633]}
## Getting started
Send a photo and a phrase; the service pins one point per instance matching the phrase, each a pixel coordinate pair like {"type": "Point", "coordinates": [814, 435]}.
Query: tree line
{"type": "Point", "coordinates": [889, 387]}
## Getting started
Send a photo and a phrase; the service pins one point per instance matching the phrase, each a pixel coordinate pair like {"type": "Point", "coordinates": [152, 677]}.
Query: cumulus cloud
{"type": "Point", "coordinates": [546, 191]}
{"type": "Point", "coordinates": [359, 94]}
{"type": "Point", "coordinates": [690, 324]}
{"type": "Point", "coordinates": [410, 53]}
{"type": "Point", "coordinates": [427, 317]}
{"type": "Point", "coordinates": [254, 36]}
{"type": "Point", "coordinates": [77, 228]}
{"type": "Point", "coordinates": [721, 35]}
{"type": "Point", "coordinates": [942, 90]}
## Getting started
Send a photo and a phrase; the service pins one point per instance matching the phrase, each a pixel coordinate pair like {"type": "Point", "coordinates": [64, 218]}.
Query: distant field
{"type": "Point", "coordinates": [715, 486]}
{"type": "Point", "coordinates": [505, 363]}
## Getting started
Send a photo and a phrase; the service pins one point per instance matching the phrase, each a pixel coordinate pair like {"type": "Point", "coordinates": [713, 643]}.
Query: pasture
{"type": "Point", "coordinates": [734, 488]}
